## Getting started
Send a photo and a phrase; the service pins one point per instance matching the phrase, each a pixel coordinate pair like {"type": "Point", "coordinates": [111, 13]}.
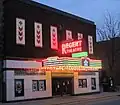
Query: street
{"type": "Point", "coordinates": [97, 102]}
{"type": "Point", "coordinates": [104, 98]}
{"type": "Point", "coordinates": [114, 101]}
{"type": "Point", "coordinates": [110, 102]}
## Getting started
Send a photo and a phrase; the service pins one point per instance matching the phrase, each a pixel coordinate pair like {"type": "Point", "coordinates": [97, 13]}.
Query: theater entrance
{"type": "Point", "coordinates": [62, 86]}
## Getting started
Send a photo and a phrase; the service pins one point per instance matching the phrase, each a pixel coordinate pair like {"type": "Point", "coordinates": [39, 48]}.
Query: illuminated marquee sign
{"type": "Point", "coordinates": [80, 54]}
{"type": "Point", "coordinates": [71, 47]}
{"type": "Point", "coordinates": [68, 63]}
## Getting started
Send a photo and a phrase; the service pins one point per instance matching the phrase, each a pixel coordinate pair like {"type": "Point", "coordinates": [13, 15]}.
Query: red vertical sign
{"type": "Point", "coordinates": [90, 44]}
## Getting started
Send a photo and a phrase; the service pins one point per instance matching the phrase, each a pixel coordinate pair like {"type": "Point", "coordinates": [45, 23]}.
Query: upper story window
{"type": "Point", "coordinates": [80, 36]}
{"type": "Point", "coordinates": [68, 35]}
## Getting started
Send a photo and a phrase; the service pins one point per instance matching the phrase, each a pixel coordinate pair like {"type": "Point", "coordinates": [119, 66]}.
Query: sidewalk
{"type": "Point", "coordinates": [66, 99]}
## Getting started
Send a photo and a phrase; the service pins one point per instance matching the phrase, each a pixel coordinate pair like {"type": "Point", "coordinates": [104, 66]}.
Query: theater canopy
{"type": "Point", "coordinates": [69, 63]}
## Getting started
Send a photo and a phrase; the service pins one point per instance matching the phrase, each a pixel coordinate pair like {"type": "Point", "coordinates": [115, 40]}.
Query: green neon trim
{"type": "Point", "coordinates": [80, 54]}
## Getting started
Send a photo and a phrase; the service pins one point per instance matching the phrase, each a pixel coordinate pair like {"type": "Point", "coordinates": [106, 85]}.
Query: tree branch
{"type": "Point", "coordinates": [109, 31]}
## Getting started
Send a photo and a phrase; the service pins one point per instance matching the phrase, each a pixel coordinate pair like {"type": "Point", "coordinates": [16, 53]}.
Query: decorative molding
{"type": "Point", "coordinates": [21, 64]}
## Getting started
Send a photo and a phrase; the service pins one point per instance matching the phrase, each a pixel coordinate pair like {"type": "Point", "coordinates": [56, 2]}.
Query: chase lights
{"type": "Point", "coordinates": [70, 68]}
{"type": "Point", "coordinates": [71, 64]}
{"type": "Point", "coordinates": [68, 61]}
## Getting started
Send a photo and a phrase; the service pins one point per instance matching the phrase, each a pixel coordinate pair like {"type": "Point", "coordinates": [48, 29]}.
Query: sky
{"type": "Point", "coordinates": [94, 10]}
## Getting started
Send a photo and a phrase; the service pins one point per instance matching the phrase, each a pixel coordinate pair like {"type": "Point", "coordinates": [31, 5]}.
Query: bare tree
{"type": "Point", "coordinates": [110, 29]}
{"type": "Point", "coordinates": [109, 32]}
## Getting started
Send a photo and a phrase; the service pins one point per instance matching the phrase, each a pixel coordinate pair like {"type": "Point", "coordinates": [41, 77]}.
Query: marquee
{"type": "Point", "coordinates": [68, 63]}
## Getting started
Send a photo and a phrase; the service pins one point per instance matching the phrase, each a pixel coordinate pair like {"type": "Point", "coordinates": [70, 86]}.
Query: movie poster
{"type": "Point", "coordinates": [84, 83]}
{"type": "Point", "coordinates": [42, 85]}
{"type": "Point", "coordinates": [19, 87]}
{"type": "Point", "coordinates": [93, 83]}
{"type": "Point", "coordinates": [80, 83]}
{"type": "Point", "coordinates": [35, 85]}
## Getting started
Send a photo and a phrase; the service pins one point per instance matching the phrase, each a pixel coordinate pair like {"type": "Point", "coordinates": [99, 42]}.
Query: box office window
{"type": "Point", "coordinates": [82, 83]}
{"type": "Point", "coordinates": [93, 83]}
{"type": "Point", "coordinates": [38, 85]}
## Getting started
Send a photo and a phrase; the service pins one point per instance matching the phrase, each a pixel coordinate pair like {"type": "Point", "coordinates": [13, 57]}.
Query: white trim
{"type": "Point", "coordinates": [22, 64]}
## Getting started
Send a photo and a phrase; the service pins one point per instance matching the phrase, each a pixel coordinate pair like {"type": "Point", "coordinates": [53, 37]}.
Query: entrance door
{"type": "Point", "coordinates": [63, 85]}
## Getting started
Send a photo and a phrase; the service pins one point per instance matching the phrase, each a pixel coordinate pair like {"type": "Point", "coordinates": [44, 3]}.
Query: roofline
{"type": "Point", "coordinates": [34, 3]}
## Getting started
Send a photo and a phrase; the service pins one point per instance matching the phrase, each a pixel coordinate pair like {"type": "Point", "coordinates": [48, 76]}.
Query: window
{"type": "Point", "coordinates": [93, 83]}
{"type": "Point", "coordinates": [82, 83]}
{"type": "Point", "coordinates": [80, 36]}
{"type": "Point", "coordinates": [38, 85]}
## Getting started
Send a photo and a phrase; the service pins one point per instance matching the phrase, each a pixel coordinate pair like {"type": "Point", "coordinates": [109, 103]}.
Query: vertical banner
{"type": "Point", "coordinates": [54, 37]}
{"type": "Point", "coordinates": [38, 34]}
{"type": "Point", "coordinates": [68, 35]}
{"type": "Point", "coordinates": [20, 31]}
{"type": "Point", "coordinates": [80, 36]}
{"type": "Point", "coordinates": [19, 87]}
{"type": "Point", "coordinates": [90, 44]}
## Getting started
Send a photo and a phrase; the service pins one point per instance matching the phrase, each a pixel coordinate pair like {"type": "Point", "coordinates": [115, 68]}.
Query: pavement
{"type": "Point", "coordinates": [110, 102]}
{"type": "Point", "coordinates": [70, 100]}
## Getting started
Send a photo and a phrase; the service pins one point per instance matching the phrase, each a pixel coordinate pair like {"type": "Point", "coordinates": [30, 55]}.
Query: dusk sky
{"type": "Point", "coordinates": [90, 9]}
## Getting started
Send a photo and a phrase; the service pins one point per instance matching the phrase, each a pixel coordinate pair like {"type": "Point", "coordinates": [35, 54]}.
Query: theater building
{"type": "Point", "coordinates": [46, 52]}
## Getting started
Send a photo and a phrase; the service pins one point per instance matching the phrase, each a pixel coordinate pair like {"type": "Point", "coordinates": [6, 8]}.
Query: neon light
{"type": "Point", "coordinates": [73, 62]}
{"type": "Point", "coordinates": [80, 54]}
{"type": "Point", "coordinates": [53, 58]}
{"type": "Point", "coordinates": [70, 47]}
{"type": "Point", "coordinates": [73, 68]}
